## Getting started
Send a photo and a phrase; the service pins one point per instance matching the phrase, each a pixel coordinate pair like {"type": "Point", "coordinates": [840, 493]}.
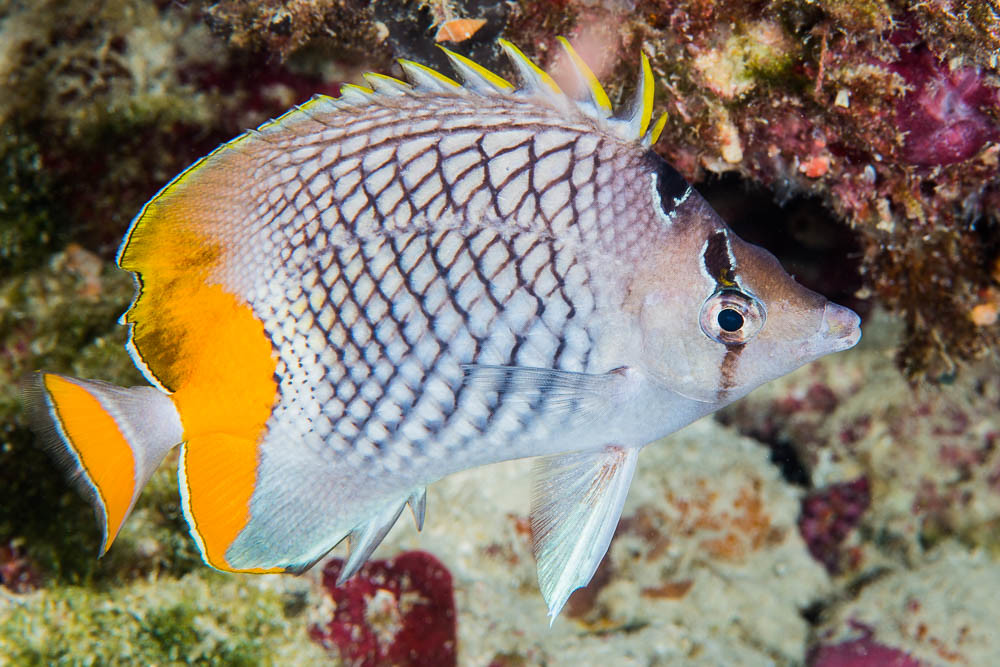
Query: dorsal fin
{"type": "Point", "coordinates": [653, 135]}
{"type": "Point", "coordinates": [641, 111]}
{"type": "Point", "coordinates": [587, 81]}
{"type": "Point", "coordinates": [355, 94]}
{"type": "Point", "coordinates": [632, 124]}
{"type": "Point", "coordinates": [476, 77]}
{"type": "Point", "coordinates": [535, 79]}
{"type": "Point", "coordinates": [426, 78]}
{"type": "Point", "coordinates": [387, 85]}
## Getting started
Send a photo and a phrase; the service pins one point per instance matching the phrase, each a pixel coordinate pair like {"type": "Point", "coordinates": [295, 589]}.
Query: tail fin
{"type": "Point", "coordinates": [108, 439]}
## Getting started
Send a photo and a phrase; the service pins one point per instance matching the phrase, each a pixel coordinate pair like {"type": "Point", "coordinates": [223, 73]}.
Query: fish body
{"type": "Point", "coordinates": [375, 291]}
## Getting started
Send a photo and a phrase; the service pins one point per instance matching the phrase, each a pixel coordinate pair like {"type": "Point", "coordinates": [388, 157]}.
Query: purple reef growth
{"type": "Point", "coordinates": [393, 612]}
{"type": "Point", "coordinates": [864, 652]}
{"type": "Point", "coordinates": [942, 110]}
{"type": "Point", "coordinates": [828, 515]}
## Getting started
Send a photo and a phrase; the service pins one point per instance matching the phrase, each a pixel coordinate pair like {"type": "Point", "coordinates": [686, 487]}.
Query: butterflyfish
{"type": "Point", "coordinates": [377, 290]}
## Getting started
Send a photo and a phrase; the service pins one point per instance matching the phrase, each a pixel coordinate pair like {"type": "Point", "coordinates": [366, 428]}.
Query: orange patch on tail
{"type": "Point", "coordinates": [104, 453]}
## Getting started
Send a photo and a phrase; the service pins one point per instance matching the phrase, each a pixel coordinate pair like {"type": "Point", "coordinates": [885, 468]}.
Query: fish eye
{"type": "Point", "coordinates": [730, 320]}
{"type": "Point", "coordinates": [731, 317]}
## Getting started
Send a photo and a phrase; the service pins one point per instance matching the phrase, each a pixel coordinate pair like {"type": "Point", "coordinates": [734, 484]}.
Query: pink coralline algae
{"type": "Point", "coordinates": [942, 111]}
{"type": "Point", "coordinates": [828, 515]}
{"type": "Point", "coordinates": [393, 612]}
{"type": "Point", "coordinates": [864, 652]}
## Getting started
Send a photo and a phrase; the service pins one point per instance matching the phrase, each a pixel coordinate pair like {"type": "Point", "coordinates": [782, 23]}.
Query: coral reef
{"type": "Point", "coordinates": [828, 515]}
{"type": "Point", "coordinates": [103, 103]}
{"type": "Point", "coordinates": [938, 613]}
{"type": "Point", "coordinates": [400, 611]}
{"type": "Point", "coordinates": [865, 528]}
{"type": "Point", "coordinates": [17, 572]}
{"type": "Point", "coordinates": [913, 471]}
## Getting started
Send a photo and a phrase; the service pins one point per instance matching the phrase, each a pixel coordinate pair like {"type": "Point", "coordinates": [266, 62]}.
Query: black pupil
{"type": "Point", "coordinates": [730, 320]}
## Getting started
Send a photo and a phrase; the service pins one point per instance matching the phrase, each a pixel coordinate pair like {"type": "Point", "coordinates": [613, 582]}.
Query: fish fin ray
{"type": "Point", "coordinates": [640, 112]}
{"type": "Point", "coordinates": [428, 78]}
{"type": "Point", "coordinates": [107, 439]}
{"type": "Point", "coordinates": [418, 505]}
{"type": "Point", "coordinates": [587, 80]}
{"type": "Point", "coordinates": [653, 135]}
{"type": "Point", "coordinates": [387, 85]}
{"type": "Point", "coordinates": [582, 397]}
{"type": "Point", "coordinates": [365, 538]}
{"type": "Point", "coordinates": [476, 77]}
{"type": "Point", "coordinates": [217, 475]}
{"type": "Point", "coordinates": [534, 79]}
{"type": "Point", "coordinates": [576, 503]}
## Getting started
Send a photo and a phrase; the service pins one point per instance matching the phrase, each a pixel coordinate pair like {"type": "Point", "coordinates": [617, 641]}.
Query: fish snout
{"type": "Point", "coordinates": [841, 326]}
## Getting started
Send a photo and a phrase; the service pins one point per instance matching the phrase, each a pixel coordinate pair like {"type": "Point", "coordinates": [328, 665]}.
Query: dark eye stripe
{"type": "Point", "coordinates": [717, 260]}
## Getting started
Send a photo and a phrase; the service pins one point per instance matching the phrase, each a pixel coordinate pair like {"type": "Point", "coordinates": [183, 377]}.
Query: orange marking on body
{"type": "Point", "coordinates": [224, 373]}
{"type": "Point", "coordinates": [225, 391]}
{"type": "Point", "coordinates": [99, 444]}
{"type": "Point", "coordinates": [203, 343]}
{"type": "Point", "coordinates": [221, 473]}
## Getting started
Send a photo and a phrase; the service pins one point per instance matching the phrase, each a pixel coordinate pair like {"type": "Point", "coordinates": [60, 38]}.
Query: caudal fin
{"type": "Point", "coordinates": [107, 439]}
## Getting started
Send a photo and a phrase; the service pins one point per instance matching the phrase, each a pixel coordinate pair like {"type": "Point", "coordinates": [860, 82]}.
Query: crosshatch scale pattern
{"type": "Point", "coordinates": [412, 237]}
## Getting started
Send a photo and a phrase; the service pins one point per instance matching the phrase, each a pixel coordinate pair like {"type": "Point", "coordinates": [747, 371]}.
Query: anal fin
{"type": "Point", "coordinates": [576, 502]}
{"type": "Point", "coordinates": [217, 475]}
{"type": "Point", "coordinates": [418, 505]}
{"type": "Point", "coordinates": [366, 537]}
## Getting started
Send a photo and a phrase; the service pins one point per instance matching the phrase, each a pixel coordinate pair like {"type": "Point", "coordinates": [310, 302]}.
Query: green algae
{"type": "Point", "coordinates": [150, 599]}
{"type": "Point", "coordinates": [45, 321]}
{"type": "Point", "coordinates": [29, 216]}
{"type": "Point", "coordinates": [206, 618]}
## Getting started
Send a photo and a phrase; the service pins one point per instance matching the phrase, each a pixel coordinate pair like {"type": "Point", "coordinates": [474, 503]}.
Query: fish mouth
{"type": "Point", "coordinates": [840, 326]}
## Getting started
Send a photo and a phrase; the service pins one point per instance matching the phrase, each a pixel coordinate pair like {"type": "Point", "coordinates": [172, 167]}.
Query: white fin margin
{"type": "Point", "coordinates": [576, 502]}
{"type": "Point", "coordinates": [145, 417]}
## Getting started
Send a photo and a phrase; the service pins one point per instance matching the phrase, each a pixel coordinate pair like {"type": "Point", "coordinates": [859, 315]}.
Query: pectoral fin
{"type": "Point", "coordinates": [576, 397]}
{"type": "Point", "coordinates": [576, 503]}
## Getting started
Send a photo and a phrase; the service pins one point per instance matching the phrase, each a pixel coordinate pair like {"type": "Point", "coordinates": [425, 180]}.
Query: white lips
{"type": "Point", "coordinates": [840, 326]}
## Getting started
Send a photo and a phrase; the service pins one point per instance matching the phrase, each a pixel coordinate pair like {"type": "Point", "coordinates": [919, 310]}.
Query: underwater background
{"type": "Point", "coordinates": [845, 515]}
